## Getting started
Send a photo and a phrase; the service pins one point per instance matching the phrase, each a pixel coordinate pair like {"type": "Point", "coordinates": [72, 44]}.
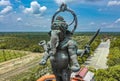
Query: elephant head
{"type": "Point", "coordinates": [58, 33]}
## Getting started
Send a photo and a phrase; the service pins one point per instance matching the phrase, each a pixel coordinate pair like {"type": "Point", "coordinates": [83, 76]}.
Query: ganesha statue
{"type": "Point", "coordinates": [62, 50]}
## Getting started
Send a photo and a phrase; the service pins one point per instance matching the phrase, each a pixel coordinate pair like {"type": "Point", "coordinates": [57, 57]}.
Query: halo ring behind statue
{"type": "Point", "coordinates": [64, 8]}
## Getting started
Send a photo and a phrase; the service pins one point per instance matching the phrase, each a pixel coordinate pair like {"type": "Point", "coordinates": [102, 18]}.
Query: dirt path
{"type": "Point", "coordinates": [16, 66]}
{"type": "Point", "coordinates": [99, 59]}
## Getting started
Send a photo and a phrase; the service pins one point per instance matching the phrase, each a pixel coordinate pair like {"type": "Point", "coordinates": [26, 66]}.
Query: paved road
{"type": "Point", "coordinates": [99, 59]}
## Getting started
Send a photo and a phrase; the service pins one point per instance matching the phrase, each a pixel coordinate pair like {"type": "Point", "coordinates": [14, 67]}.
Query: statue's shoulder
{"type": "Point", "coordinates": [71, 42]}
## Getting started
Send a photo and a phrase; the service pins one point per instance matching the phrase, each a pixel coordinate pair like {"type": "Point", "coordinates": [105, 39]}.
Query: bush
{"type": "Point", "coordinates": [36, 48]}
{"type": "Point", "coordinates": [110, 74]}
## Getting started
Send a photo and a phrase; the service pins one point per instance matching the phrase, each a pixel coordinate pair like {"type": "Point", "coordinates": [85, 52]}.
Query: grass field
{"type": "Point", "coordinates": [6, 55]}
{"type": "Point", "coordinates": [29, 42]}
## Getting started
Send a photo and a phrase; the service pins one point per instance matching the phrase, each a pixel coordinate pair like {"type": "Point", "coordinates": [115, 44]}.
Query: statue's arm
{"type": "Point", "coordinates": [80, 51]}
{"type": "Point", "coordinates": [46, 53]}
{"type": "Point", "coordinates": [73, 49]}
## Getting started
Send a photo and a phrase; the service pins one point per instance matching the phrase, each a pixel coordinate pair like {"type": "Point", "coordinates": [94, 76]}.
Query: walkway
{"type": "Point", "coordinates": [99, 59]}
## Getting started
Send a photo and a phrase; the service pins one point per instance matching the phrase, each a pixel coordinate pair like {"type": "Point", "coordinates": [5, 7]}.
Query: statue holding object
{"type": "Point", "coordinates": [61, 49]}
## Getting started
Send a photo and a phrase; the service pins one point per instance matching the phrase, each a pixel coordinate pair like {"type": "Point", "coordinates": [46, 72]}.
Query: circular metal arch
{"type": "Point", "coordinates": [64, 8]}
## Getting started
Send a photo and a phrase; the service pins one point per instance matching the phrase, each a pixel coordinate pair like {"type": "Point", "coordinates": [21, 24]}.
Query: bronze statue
{"type": "Point", "coordinates": [61, 49]}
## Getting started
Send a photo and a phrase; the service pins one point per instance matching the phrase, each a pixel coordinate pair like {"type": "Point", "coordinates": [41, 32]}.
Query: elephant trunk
{"type": "Point", "coordinates": [54, 41]}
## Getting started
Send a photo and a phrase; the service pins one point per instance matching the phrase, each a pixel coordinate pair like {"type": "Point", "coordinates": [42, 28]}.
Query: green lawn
{"type": "Point", "coordinates": [6, 55]}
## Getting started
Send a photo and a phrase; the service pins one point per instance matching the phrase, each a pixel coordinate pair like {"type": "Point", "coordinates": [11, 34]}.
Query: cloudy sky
{"type": "Point", "coordinates": [35, 15]}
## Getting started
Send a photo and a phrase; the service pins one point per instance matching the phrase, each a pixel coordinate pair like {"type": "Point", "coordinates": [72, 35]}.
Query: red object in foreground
{"type": "Point", "coordinates": [47, 77]}
{"type": "Point", "coordinates": [52, 78]}
{"type": "Point", "coordinates": [83, 72]}
{"type": "Point", "coordinates": [82, 75]}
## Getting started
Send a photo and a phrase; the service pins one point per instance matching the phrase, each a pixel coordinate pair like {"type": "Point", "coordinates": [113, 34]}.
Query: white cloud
{"type": "Point", "coordinates": [19, 1]}
{"type": "Point", "coordinates": [104, 23]}
{"type": "Point", "coordinates": [1, 16]}
{"type": "Point", "coordinates": [92, 23]}
{"type": "Point", "coordinates": [43, 8]}
{"type": "Point", "coordinates": [117, 21]}
{"type": "Point", "coordinates": [113, 3]}
{"type": "Point", "coordinates": [4, 2]}
{"type": "Point", "coordinates": [107, 25]}
{"type": "Point", "coordinates": [63, 1]}
{"type": "Point", "coordinates": [114, 24]}
{"type": "Point", "coordinates": [35, 8]}
{"type": "Point", "coordinates": [6, 10]}
{"type": "Point", "coordinates": [19, 19]}
{"type": "Point", "coordinates": [21, 7]}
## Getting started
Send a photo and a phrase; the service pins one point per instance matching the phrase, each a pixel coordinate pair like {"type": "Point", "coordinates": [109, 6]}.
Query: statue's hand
{"type": "Point", "coordinates": [52, 52]}
{"type": "Point", "coordinates": [87, 49]}
{"type": "Point", "coordinates": [42, 62]}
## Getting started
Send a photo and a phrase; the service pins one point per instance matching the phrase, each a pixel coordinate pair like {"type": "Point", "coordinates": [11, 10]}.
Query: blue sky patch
{"type": "Point", "coordinates": [35, 15]}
